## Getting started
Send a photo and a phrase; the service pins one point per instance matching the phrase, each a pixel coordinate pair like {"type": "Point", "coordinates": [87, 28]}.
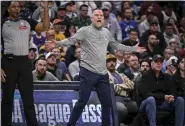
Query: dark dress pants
{"type": "Point", "coordinates": [88, 80]}
{"type": "Point", "coordinates": [18, 71]}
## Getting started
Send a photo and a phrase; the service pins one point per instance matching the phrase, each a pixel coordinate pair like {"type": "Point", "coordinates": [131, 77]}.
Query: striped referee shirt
{"type": "Point", "coordinates": [94, 43]}
{"type": "Point", "coordinates": [15, 35]}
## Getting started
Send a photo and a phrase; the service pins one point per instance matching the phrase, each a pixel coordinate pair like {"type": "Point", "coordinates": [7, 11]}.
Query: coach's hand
{"type": "Point", "coordinates": [3, 75]}
{"type": "Point", "coordinates": [140, 49]}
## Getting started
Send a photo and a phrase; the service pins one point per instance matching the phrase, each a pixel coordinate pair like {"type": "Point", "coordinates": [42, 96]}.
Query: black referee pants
{"type": "Point", "coordinates": [18, 71]}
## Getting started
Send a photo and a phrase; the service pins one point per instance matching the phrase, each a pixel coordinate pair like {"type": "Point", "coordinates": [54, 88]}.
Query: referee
{"type": "Point", "coordinates": [16, 67]}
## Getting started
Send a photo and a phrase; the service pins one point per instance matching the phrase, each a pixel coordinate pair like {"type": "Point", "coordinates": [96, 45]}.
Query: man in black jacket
{"type": "Point", "coordinates": [153, 30]}
{"type": "Point", "coordinates": [156, 91]}
{"type": "Point", "coordinates": [133, 38]}
{"type": "Point", "coordinates": [152, 47]}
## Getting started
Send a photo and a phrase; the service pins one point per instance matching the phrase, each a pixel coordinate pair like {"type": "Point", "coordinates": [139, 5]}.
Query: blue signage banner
{"type": "Point", "coordinates": [53, 108]}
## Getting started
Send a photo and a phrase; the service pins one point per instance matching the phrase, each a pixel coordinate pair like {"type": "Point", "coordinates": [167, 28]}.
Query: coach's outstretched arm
{"type": "Point", "coordinates": [117, 46]}
{"type": "Point", "coordinates": [78, 36]}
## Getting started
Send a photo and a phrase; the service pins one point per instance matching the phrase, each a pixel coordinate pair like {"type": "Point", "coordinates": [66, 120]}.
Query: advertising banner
{"type": "Point", "coordinates": [53, 108]}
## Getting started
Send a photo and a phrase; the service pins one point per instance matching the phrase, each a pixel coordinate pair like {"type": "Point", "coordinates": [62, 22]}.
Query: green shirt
{"type": "Point", "coordinates": [79, 22]}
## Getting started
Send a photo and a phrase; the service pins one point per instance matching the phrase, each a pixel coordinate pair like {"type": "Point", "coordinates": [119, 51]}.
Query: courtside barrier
{"type": "Point", "coordinates": [54, 102]}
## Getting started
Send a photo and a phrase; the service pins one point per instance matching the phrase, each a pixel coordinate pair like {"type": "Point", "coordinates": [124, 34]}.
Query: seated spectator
{"type": "Point", "coordinates": [143, 55]}
{"type": "Point", "coordinates": [132, 38]}
{"type": "Point", "coordinates": [50, 35]}
{"type": "Point", "coordinates": [169, 34]}
{"type": "Point", "coordinates": [40, 73]}
{"type": "Point", "coordinates": [61, 14]}
{"type": "Point", "coordinates": [25, 12]}
{"type": "Point", "coordinates": [119, 58]}
{"type": "Point", "coordinates": [91, 6]}
{"type": "Point", "coordinates": [122, 67]}
{"type": "Point", "coordinates": [57, 52]}
{"type": "Point", "coordinates": [49, 43]}
{"type": "Point", "coordinates": [179, 77]}
{"type": "Point", "coordinates": [144, 67]}
{"type": "Point", "coordinates": [122, 86]}
{"type": "Point", "coordinates": [111, 24]}
{"type": "Point", "coordinates": [60, 31]}
{"type": "Point", "coordinates": [182, 25]}
{"type": "Point", "coordinates": [126, 5]}
{"type": "Point", "coordinates": [149, 7]}
{"type": "Point", "coordinates": [156, 90]}
{"type": "Point", "coordinates": [69, 10]}
{"type": "Point", "coordinates": [32, 5]}
{"type": "Point", "coordinates": [175, 26]}
{"type": "Point", "coordinates": [60, 64]}
{"type": "Point", "coordinates": [133, 71]}
{"type": "Point", "coordinates": [74, 68]}
{"type": "Point", "coordinates": [153, 30]}
{"type": "Point", "coordinates": [174, 45]}
{"type": "Point", "coordinates": [38, 39]}
{"type": "Point", "coordinates": [82, 19]}
{"type": "Point", "coordinates": [116, 9]}
{"type": "Point", "coordinates": [152, 47]}
{"type": "Point", "coordinates": [171, 65]}
{"type": "Point", "coordinates": [57, 29]}
{"type": "Point", "coordinates": [166, 14]}
{"type": "Point", "coordinates": [145, 25]}
{"type": "Point", "coordinates": [109, 5]}
{"type": "Point", "coordinates": [52, 66]}
{"type": "Point", "coordinates": [70, 31]}
{"type": "Point", "coordinates": [127, 23]}
{"type": "Point", "coordinates": [32, 56]}
{"type": "Point", "coordinates": [134, 8]}
{"type": "Point", "coordinates": [168, 52]}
